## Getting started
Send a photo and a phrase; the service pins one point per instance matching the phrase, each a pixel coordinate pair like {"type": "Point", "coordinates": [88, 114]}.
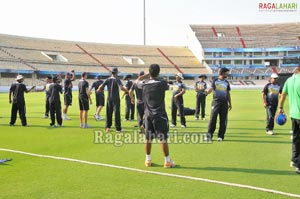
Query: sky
{"type": "Point", "coordinates": [122, 21]}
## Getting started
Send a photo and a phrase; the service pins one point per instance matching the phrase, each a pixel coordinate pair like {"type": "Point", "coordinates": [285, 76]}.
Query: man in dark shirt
{"type": "Point", "coordinates": [177, 101]}
{"type": "Point", "coordinates": [68, 85]}
{"type": "Point", "coordinates": [55, 90]}
{"type": "Point", "coordinates": [113, 85]}
{"type": "Point", "coordinates": [220, 105]}
{"type": "Point", "coordinates": [129, 105]}
{"type": "Point", "coordinates": [156, 119]}
{"type": "Point", "coordinates": [200, 88]}
{"type": "Point", "coordinates": [17, 90]}
{"type": "Point", "coordinates": [270, 96]}
{"type": "Point", "coordinates": [83, 99]}
{"type": "Point", "coordinates": [99, 97]}
{"type": "Point", "coordinates": [139, 102]}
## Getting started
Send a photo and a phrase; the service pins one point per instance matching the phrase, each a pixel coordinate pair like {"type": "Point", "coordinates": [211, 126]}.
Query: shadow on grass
{"type": "Point", "coordinates": [241, 170]}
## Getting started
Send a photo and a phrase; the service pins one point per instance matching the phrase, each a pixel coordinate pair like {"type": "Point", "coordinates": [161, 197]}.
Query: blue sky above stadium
{"type": "Point", "coordinates": [121, 21]}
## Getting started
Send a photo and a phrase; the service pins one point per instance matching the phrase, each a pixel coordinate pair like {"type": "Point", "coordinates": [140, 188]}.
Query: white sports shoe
{"type": "Point", "coordinates": [172, 125]}
{"type": "Point", "coordinates": [219, 139]}
{"type": "Point", "coordinates": [270, 132]}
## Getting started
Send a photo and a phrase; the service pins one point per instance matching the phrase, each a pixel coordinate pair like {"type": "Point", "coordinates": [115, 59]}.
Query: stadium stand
{"type": "Point", "coordinates": [44, 56]}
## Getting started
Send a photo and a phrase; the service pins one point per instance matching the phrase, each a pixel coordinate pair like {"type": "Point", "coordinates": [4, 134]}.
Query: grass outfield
{"type": "Point", "coordinates": [247, 156]}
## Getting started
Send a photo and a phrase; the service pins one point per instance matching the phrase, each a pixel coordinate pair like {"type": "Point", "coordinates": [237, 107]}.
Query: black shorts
{"type": "Point", "coordinates": [84, 104]}
{"type": "Point", "coordinates": [100, 100]}
{"type": "Point", "coordinates": [156, 127]}
{"type": "Point", "coordinates": [68, 99]}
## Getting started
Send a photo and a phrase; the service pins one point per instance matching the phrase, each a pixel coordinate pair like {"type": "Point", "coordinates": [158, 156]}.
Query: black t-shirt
{"type": "Point", "coordinates": [68, 87]}
{"type": "Point", "coordinates": [96, 85]}
{"type": "Point", "coordinates": [202, 86]}
{"type": "Point", "coordinates": [138, 91]}
{"type": "Point", "coordinates": [18, 90]}
{"type": "Point", "coordinates": [54, 91]}
{"type": "Point", "coordinates": [113, 85]}
{"type": "Point", "coordinates": [154, 97]}
{"type": "Point", "coordinates": [82, 86]}
{"type": "Point", "coordinates": [271, 91]}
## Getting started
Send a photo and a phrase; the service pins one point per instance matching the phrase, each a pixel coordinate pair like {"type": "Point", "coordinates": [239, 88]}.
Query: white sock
{"type": "Point", "coordinates": [167, 159]}
{"type": "Point", "coordinates": [64, 115]}
{"type": "Point", "coordinates": [148, 157]}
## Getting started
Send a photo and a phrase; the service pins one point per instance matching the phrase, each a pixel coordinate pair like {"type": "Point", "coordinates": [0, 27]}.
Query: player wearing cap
{"type": "Point", "coordinates": [270, 96]}
{"type": "Point", "coordinates": [201, 90]}
{"type": "Point", "coordinates": [156, 119]}
{"type": "Point", "coordinates": [99, 97]}
{"type": "Point", "coordinates": [113, 85]}
{"type": "Point", "coordinates": [139, 102]}
{"type": "Point", "coordinates": [68, 85]}
{"type": "Point", "coordinates": [17, 91]}
{"type": "Point", "coordinates": [177, 101]}
{"type": "Point", "coordinates": [84, 97]}
{"type": "Point", "coordinates": [46, 89]}
{"type": "Point", "coordinates": [55, 90]}
{"type": "Point", "coordinates": [129, 105]}
{"type": "Point", "coordinates": [221, 103]}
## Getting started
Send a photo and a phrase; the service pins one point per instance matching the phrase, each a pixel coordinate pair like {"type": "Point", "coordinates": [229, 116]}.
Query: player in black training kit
{"type": "Point", "coordinates": [113, 84]}
{"type": "Point", "coordinates": [270, 96]}
{"type": "Point", "coordinates": [139, 102]}
{"type": "Point", "coordinates": [84, 97]}
{"type": "Point", "coordinates": [156, 119]}
{"type": "Point", "coordinates": [201, 90]}
{"type": "Point", "coordinates": [68, 85]}
{"type": "Point", "coordinates": [220, 105]}
{"type": "Point", "coordinates": [17, 90]}
{"type": "Point", "coordinates": [55, 90]}
{"type": "Point", "coordinates": [99, 97]}
{"type": "Point", "coordinates": [177, 101]}
{"type": "Point", "coordinates": [129, 105]}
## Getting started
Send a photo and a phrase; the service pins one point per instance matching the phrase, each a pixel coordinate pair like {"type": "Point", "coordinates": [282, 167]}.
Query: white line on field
{"type": "Point", "coordinates": [156, 173]}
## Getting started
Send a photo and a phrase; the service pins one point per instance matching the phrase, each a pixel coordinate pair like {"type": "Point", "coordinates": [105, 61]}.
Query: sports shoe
{"type": "Point", "coordinates": [11, 124]}
{"type": "Point", "coordinates": [45, 116]}
{"type": "Point", "coordinates": [66, 118]}
{"type": "Point", "coordinates": [291, 131]}
{"type": "Point", "coordinates": [203, 119]}
{"type": "Point", "coordinates": [173, 125]}
{"type": "Point", "coordinates": [119, 131]}
{"type": "Point", "coordinates": [220, 139]}
{"type": "Point", "coordinates": [101, 118]}
{"type": "Point", "coordinates": [148, 163]}
{"type": "Point", "coordinates": [96, 117]}
{"type": "Point", "coordinates": [270, 132]}
{"type": "Point", "coordinates": [107, 130]}
{"type": "Point", "coordinates": [183, 126]}
{"type": "Point", "coordinates": [59, 125]}
{"type": "Point", "coordinates": [292, 164]}
{"type": "Point", "coordinates": [81, 125]}
{"type": "Point", "coordinates": [85, 126]}
{"type": "Point", "coordinates": [297, 170]}
{"type": "Point", "coordinates": [196, 118]}
{"type": "Point", "coordinates": [170, 164]}
{"type": "Point", "coordinates": [52, 125]}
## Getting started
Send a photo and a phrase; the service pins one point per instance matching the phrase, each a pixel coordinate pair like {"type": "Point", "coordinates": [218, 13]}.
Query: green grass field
{"type": "Point", "coordinates": [247, 156]}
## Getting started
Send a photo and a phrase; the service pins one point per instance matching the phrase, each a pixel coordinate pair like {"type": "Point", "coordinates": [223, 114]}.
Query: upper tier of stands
{"type": "Point", "coordinates": [253, 36]}
{"type": "Point", "coordinates": [28, 54]}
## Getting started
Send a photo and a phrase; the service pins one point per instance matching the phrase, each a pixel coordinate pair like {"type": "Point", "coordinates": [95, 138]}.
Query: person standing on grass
{"type": "Point", "coordinates": [156, 119]}
{"type": "Point", "coordinates": [16, 98]}
{"type": "Point", "coordinates": [139, 102]}
{"type": "Point", "coordinates": [68, 85]}
{"type": "Point", "coordinates": [201, 90]}
{"type": "Point", "coordinates": [291, 89]}
{"type": "Point", "coordinates": [99, 97]}
{"type": "Point", "coordinates": [113, 85]}
{"type": "Point", "coordinates": [270, 96]}
{"type": "Point", "coordinates": [177, 101]}
{"type": "Point", "coordinates": [84, 97]}
{"type": "Point", "coordinates": [46, 89]}
{"type": "Point", "coordinates": [55, 90]}
{"type": "Point", "coordinates": [221, 103]}
{"type": "Point", "coordinates": [129, 105]}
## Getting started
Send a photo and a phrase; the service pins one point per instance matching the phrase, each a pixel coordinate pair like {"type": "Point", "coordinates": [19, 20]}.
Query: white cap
{"type": "Point", "coordinates": [274, 75]}
{"type": "Point", "coordinates": [180, 75]}
{"type": "Point", "coordinates": [19, 77]}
